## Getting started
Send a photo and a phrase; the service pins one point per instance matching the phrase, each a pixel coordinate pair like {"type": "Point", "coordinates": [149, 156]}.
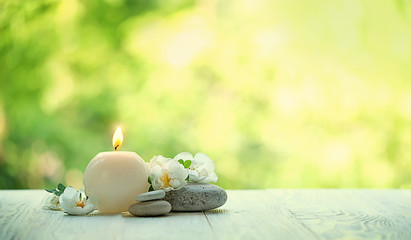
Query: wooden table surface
{"type": "Point", "coordinates": [248, 214]}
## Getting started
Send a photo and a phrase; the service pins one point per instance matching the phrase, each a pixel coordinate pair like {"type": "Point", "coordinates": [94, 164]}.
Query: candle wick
{"type": "Point", "coordinates": [115, 148]}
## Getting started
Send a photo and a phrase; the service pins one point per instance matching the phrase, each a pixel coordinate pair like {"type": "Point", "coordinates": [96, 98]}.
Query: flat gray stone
{"type": "Point", "coordinates": [196, 197]}
{"type": "Point", "coordinates": [153, 195]}
{"type": "Point", "coordinates": [151, 208]}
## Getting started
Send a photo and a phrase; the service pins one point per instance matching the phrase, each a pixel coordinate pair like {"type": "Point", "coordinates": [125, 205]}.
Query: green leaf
{"type": "Point", "coordinates": [149, 179]}
{"type": "Point", "coordinates": [151, 189]}
{"type": "Point", "coordinates": [188, 178]}
{"type": "Point", "coordinates": [50, 190]}
{"type": "Point", "coordinates": [181, 161]}
{"type": "Point", "coordinates": [61, 187]}
{"type": "Point", "coordinates": [187, 164]}
{"type": "Point", "coordinates": [57, 193]}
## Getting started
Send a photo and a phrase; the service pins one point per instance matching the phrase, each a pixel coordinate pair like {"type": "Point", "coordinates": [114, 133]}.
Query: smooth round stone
{"type": "Point", "coordinates": [151, 208]}
{"type": "Point", "coordinates": [196, 197]}
{"type": "Point", "coordinates": [153, 195]}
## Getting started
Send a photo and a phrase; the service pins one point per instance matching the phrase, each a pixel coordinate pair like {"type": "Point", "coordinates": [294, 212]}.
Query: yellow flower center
{"type": "Point", "coordinates": [81, 204]}
{"type": "Point", "coordinates": [166, 180]}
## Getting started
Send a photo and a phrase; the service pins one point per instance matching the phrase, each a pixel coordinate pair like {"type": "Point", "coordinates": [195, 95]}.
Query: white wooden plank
{"type": "Point", "coordinates": [253, 214]}
{"type": "Point", "coordinates": [171, 226]}
{"type": "Point", "coordinates": [21, 217]}
{"type": "Point", "coordinates": [248, 214]}
{"type": "Point", "coordinates": [351, 214]}
{"type": "Point", "coordinates": [16, 208]}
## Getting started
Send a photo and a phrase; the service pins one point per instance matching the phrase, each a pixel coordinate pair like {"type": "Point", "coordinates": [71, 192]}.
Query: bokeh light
{"type": "Point", "coordinates": [280, 94]}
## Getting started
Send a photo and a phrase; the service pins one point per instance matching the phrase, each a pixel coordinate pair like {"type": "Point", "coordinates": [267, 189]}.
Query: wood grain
{"type": "Point", "coordinates": [248, 214]}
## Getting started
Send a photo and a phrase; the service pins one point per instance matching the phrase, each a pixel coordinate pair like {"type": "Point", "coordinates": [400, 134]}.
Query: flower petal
{"type": "Point", "coordinates": [52, 203]}
{"type": "Point", "coordinates": [89, 208]}
{"type": "Point", "coordinates": [158, 160]}
{"type": "Point", "coordinates": [202, 158]}
{"type": "Point", "coordinates": [196, 178]}
{"type": "Point", "coordinates": [184, 155]}
{"type": "Point", "coordinates": [68, 197]}
{"type": "Point", "coordinates": [156, 171]}
{"type": "Point", "coordinates": [176, 170]}
{"type": "Point", "coordinates": [212, 178]}
{"type": "Point", "coordinates": [175, 183]}
{"type": "Point", "coordinates": [74, 211]}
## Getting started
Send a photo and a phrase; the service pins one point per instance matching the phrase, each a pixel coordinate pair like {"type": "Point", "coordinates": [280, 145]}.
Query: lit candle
{"type": "Point", "coordinates": [115, 178]}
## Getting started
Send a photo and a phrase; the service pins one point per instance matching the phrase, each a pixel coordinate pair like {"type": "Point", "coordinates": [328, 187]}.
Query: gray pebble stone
{"type": "Point", "coordinates": [196, 197]}
{"type": "Point", "coordinates": [151, 208]}
{"type": "Point", "coordinates": [153, 195]}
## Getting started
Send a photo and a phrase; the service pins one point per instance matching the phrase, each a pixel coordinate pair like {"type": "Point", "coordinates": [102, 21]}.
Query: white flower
{"type": "Point", "coordinates": [73, 202]}
{"type": "Point", "coordinates": [201, 169]}
{"type": "Point", "coordinates": [147, 167]}
{"type": "Point", "coordinates": [52, 203]}
{"type": "Point", "coordinates": [167, 174]}
{"type": "Point", "coordinates": [158, 160]}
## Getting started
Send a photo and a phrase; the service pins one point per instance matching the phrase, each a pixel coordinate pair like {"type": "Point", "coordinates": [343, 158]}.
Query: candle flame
{"type": "Point", "coordinates": [117, 138]}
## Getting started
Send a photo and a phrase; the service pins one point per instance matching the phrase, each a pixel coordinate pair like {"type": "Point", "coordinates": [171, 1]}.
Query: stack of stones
{"type": "Point", "coordinates": [150, 204]}
{"type": "Point", "coordinates": [193, 197]}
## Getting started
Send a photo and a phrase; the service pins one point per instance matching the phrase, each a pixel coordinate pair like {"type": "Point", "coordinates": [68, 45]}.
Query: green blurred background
{"type": "Point", "coordinates": [280, 94]}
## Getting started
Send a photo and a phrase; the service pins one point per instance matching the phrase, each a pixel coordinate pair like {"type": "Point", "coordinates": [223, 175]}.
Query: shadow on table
{"type": "Point", "coordinates": [94, 214]}
{"type": "Point", "coordinates": [129, 215]}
